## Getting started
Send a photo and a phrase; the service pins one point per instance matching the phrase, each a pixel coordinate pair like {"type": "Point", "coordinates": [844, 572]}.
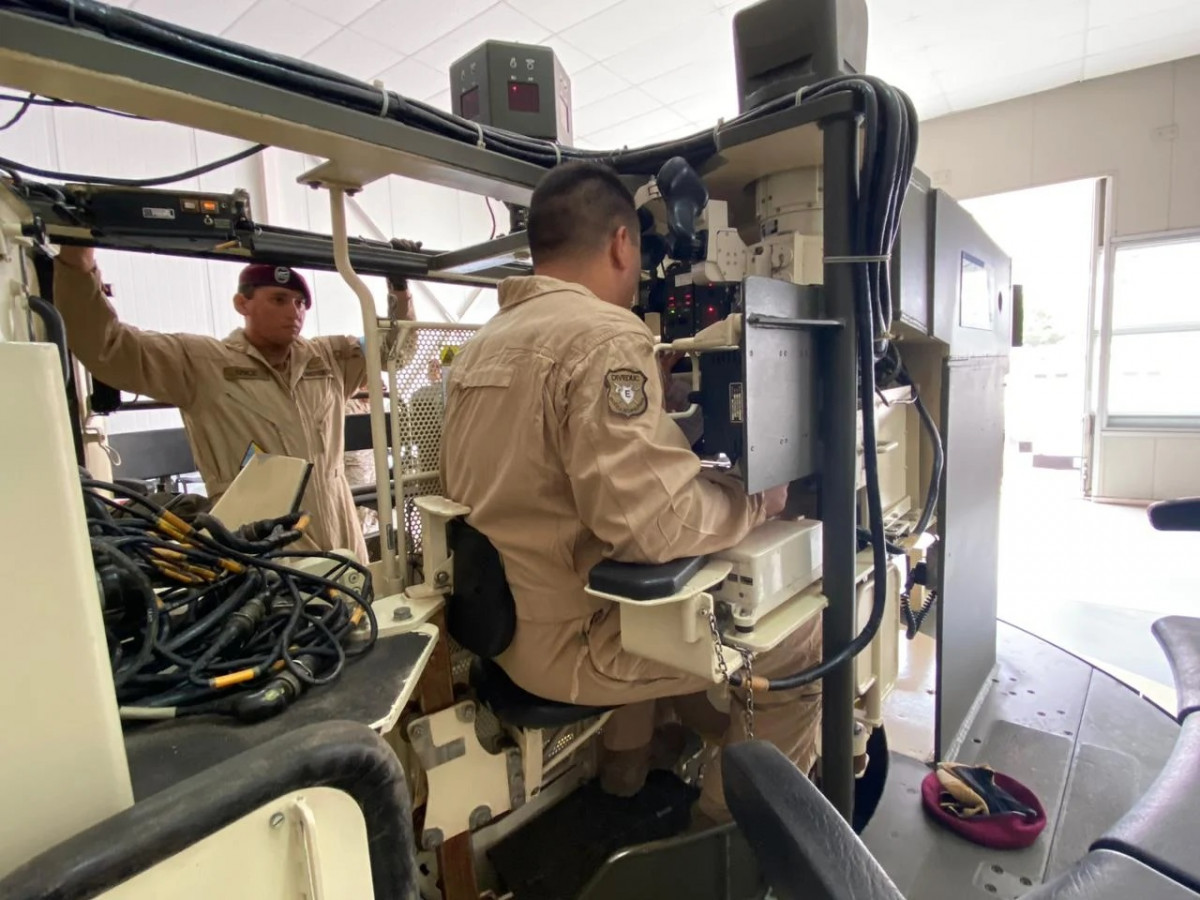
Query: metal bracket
{"type": "Point", "coordinates": [464, 779]}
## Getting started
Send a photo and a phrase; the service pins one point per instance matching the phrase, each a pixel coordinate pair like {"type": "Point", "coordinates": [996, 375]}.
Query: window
{"type": "Point", "coordinates": [1155, 334]}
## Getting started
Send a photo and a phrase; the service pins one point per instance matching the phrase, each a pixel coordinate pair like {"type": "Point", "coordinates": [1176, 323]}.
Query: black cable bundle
{"type": "Point", "coordinates": [299, 77]}
{"type": "Point", "coordinates": [888, 155]}
{"type": "Point", "coordinates": [203, 620]}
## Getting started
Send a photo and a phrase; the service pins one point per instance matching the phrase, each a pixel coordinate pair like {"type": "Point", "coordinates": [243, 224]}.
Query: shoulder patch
{"type": "Point", "coordinates": [626, 391]}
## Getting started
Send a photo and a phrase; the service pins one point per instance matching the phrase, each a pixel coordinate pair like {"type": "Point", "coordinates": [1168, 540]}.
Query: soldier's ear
{"type": "Point", "coordinates": [622, 248]}
{"type": "Point", "coordinates": [241, 303]}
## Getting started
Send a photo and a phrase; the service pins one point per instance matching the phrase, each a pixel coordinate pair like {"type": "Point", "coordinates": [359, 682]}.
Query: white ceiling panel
{"type": "Point", "coordinates": [572, 58]}
{"type": "Point", "coordinates": [1148, 29]}
{"type": "Point", "coordinates": [409, 25]}
{"type": "Point", "coordinates": [613, 110]}
{"type": "Point", "coordinates": [415, 79]}
{"type": "Point", "coordinates": [1178, 46]}
{"type": "Point", "coordinates": [639, 129]}
{"type": "Point", "coordinates": [980, 62]}
{"type": "Point", "coordinates": [500, 23]}
{"type": "Point", "coordinates": [594, 84]}
{"type": "Point", "coordinates": [673, 50]}
{"type": "Point", "coordinates": [706, 109]}
{"type": "Point", "coordinates": [1113, 12]}
{"type": "Point", "coordinates": [281, 26]}
{"type": "Point", "coordinates": [211, 16]}
{"type": "Point", "coordinates": [632, 22]}
{"type": "Point", "coordinates": [716, 79]}
{"type": "Point", "coordinates": [559, 15]}
{"type": "Point", "coordinates": [352, 54]}
{"type": "Point", "coordinates": [342, 11]}
{"type": "Point", "coordinates": [981, 92]}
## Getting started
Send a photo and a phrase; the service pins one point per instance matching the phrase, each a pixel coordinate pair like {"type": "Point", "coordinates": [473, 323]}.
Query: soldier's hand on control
{"type": "Point", "coordinates": [81, 258]}
{"type": "Point", "coordinates": [775, 500]}
{"type": "Point", "coordinates": [400, 304]}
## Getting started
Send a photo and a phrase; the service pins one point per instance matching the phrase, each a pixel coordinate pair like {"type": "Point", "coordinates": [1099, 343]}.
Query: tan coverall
{"type": "Point", "coordinates": [556, 437]}
{"type": "Point", "coordinates": [230, 395]}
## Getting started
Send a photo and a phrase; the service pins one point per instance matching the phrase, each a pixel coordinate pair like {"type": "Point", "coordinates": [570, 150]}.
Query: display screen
{"type": "Point", "coordinates": [470, 103]}
{"type": "Point", "coordinates": [524, 97]}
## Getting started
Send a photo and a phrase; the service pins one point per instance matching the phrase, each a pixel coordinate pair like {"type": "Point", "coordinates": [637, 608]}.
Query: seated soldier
{"type": "Point", "coordinates": [555, 435]}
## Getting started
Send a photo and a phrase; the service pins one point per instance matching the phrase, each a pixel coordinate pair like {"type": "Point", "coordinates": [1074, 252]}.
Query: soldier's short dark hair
{"type": "Point", "coordinates": [576, 207]}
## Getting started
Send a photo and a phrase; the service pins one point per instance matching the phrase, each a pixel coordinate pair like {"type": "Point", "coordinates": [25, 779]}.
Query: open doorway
{"type": "Point", "coordinates": [1050, 234]}
{"type": "Point", "coordinates": [1056, 576]}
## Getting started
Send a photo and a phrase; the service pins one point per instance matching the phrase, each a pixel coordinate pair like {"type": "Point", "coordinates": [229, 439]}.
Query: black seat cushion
{"type": "Point", "coordinates": [1104, 875]}
{"type": "Point", "coordinates": [515, 706]}
{"type": "Point", "coordinates": [481, 613]}
{"type": "Point", "coordinates": [1176, 515]}
{"type": "Point", "coordinates": [643, 582]}
{"type": "Point", "coordinates": [1180, 640]}
{"type": "Point", "coordinates": [1161, 830]}
{"type": "Point", "coordinates": [804, 848]}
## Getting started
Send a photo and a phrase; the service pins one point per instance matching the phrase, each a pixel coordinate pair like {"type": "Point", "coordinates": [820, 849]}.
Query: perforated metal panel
{"type": "Point", "coordinates": [416, 392]}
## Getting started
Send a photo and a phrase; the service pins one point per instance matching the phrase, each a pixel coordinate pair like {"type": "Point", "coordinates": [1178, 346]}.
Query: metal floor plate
{"type": "Point", "coordinates": [1085, 744]}
{"type": "Point", "coordinates": [1123, 744]}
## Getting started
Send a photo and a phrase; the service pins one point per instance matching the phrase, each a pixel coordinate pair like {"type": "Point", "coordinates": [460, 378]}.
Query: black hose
{"type": "Point", "coordinates": [56, 331]}
{"type": "Point", "coordinates": [889, 152]}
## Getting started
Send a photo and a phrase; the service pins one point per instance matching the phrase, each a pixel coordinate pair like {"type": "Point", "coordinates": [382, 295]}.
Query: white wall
{"type": "Point", "coordinates": [1142, 128]}
{"type": "Point", "coordinates": [172, 294]}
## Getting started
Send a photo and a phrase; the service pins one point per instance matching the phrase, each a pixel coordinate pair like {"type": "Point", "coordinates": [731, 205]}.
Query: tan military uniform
{"type": "Point", "coordinates": [230, 395]}
{"type": "Point", "coordinates": [556, 437]}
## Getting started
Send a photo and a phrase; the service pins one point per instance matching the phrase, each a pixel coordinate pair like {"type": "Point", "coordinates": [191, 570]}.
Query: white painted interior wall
{"type": "Point", "coordinates": [172, 294]}
{"type": "Point", "coordinates": [1142, 128]}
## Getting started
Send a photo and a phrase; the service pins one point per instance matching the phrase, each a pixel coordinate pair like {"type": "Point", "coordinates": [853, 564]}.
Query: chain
{"type": "Point", "coordinates": [723, 668]}
{"type": "Point", "coordinates": [748, 664]}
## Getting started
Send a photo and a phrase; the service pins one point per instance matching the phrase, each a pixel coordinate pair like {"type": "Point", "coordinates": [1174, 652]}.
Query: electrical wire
{"type": "Point", "coordinates": [14, 166]}
{"type": "Point", "coordinates": [20, 113]}
{"type": "Point", "coordinates": [211, 623]}
{"type": "Point", "coordinates": [492, 213]}
{"type": "Point", "coordinates": [35, 100]}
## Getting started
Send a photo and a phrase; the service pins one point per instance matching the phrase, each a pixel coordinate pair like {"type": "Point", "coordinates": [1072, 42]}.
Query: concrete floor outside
{"type": "Point", "coordinates": [1092, 577]}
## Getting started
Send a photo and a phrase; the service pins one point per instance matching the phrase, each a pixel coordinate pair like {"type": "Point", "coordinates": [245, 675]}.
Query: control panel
{"type": "Point", "coordinates": [690, 308]}
{"type": "Point", "coordinates": [167, 213]}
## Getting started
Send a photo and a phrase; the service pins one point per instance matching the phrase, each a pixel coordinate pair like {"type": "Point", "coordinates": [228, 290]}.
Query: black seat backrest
{"type": "Point", "coordinates": [804, 848]}
{"type": "Point", "coordinates": [481, 614]}
{"type": "Point", "coordinates": [1179, 636]}
{"type": "Point", "coordinates": [1175, 515]}
{"type": "Point", "coordinates": [1160, 831]}
{"type": "Point", "coordinates": [346, 756]}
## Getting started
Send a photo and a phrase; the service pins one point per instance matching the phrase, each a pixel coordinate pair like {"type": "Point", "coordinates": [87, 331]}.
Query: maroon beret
{"type": "Point", "coordinates": [265, 275]}
{"type": "Point", "coordinates": [1008, 815]}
